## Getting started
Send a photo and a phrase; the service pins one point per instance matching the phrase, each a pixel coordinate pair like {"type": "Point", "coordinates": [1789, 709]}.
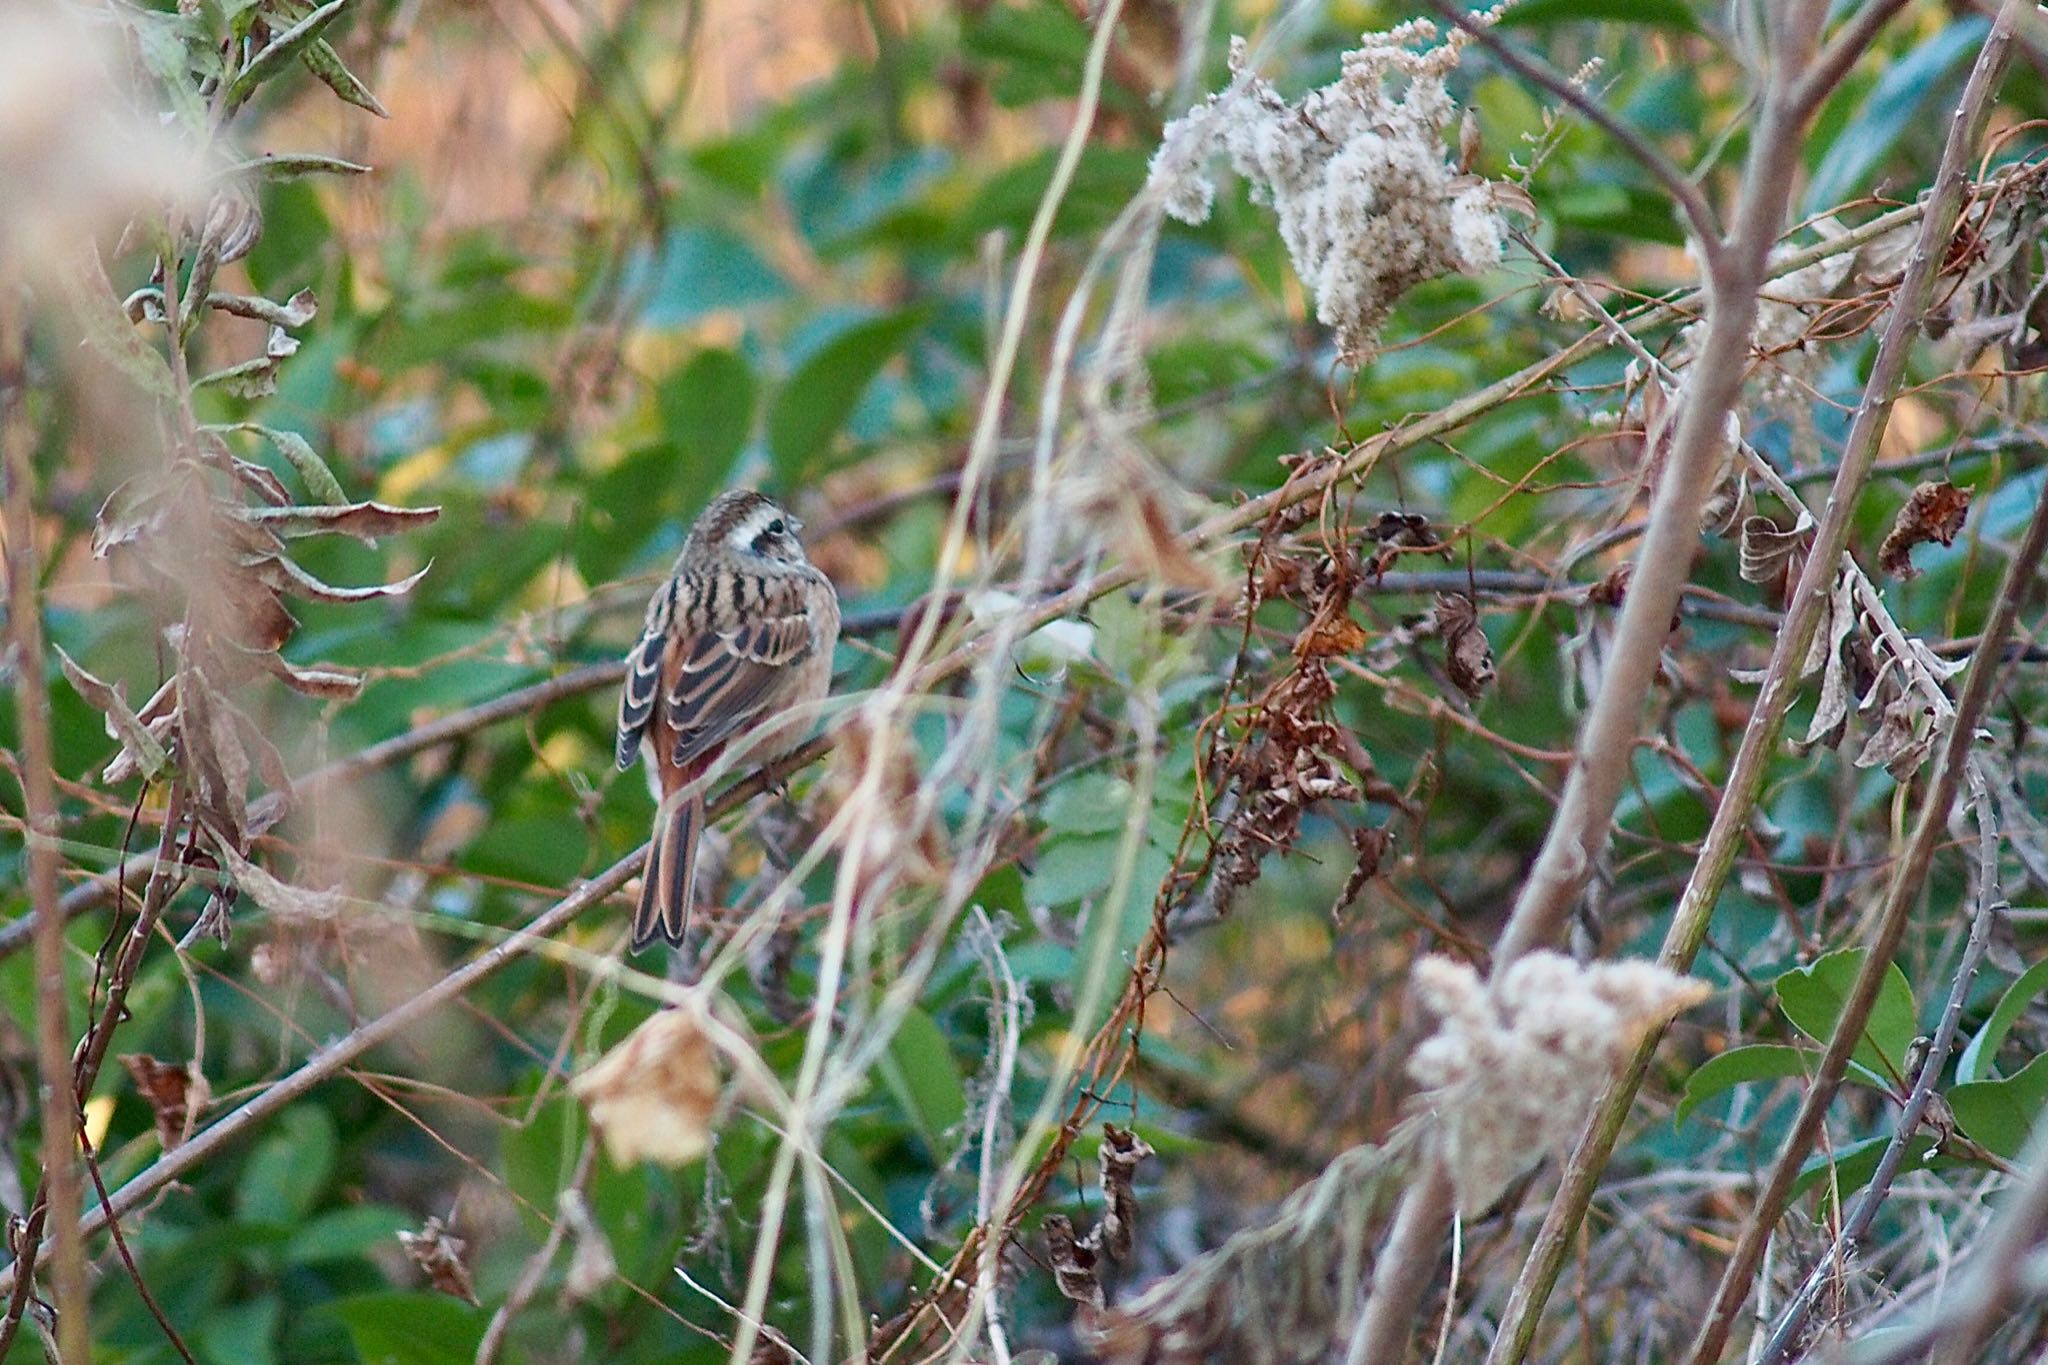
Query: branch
{"type": "Point", "coordinates": [1699, 215]}
{"type": "Point", "coordinates": [1793, 1319]}
{"type": "Point", "coordinates": [64, 1194]}
{"type": "Point", "coordinates": [1730, 824]}
{"type": "Point", "coordinates": [1849, 43]}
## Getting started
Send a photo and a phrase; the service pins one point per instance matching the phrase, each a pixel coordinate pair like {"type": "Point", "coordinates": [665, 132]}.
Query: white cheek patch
{"type": "Point", "coordinates": [743, 535]}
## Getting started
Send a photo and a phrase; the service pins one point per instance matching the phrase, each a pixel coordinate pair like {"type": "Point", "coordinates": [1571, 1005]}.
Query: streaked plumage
{"type": "Point", "coordinates": [741, 633]}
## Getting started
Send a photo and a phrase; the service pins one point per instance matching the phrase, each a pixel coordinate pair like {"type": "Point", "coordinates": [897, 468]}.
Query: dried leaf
{"type": "Point", "coordinates": [1123, 1151]}
{"type": "Point", "coordinates": [1934, 513]}
{"type": "Point", "coordinates": [1467, 654]}
{"type": "Point", "coordinates": [1371, 845]}
{"type": "Point", "coordinates": [296, 311]}
{"type": "Point", "coordinates": [280, 898]}
{"type": "Point", "coordinates": [291, 165]}
{"type": "Point", "coordinates": [1329, 636]}
{"type": "Point", "coordinates": [438, 1253]}
{"type": "Point", "coordinates": [256, 378]}
{"type": "Point", "coordinates": [312, 682]}
{"type": "Point", "coordinates": [1893, 743]}
{"type": "Point", "coordinates": [654, 1096]}
{"type": "Point", "coordinates": [143, 747]}
{"type": "Point", "coordinates": [1074, 1263]}
{"type": "Point", "coordinates": [1767, 552]}
{"type": "Point", "coordinates": [1831, 715]}
{"type": "Point", "coordinates": [304, 460]}
{"type": "Point", "coordinates": [175, 1095]}
{"type": "Point", "coordinates": [281, 574]}
{"type": "Point", "coordinates": [363, 520]}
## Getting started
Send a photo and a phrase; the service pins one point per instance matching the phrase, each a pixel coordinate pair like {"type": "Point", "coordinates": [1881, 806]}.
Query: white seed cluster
{"type": "Point", "coordinates": [1512, 1071]}
{"type": "Point", "coordinates": [1357, 172]}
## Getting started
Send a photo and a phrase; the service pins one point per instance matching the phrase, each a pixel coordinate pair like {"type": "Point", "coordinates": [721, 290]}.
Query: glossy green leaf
{"type": "Point", "coordinates": [289, 1169]}
{"type": "Point", "coordinates": [921, 1070]}
{"type": "Point", "coordinates": [814, 403]}
{"type": "Point", "coordinates": [1812, 998]}
{"type": "Point", "coordinates": [1737, 1066]}
{"type": "Point", "coordinates": [1642, 13]}
{"type": "Point", "coordinates": [2000, 1114]}
{"type": "Point", "coordinates": [1976, 1062]}
{"type": "Point", "coordinates": [707, 411]}
{"type": "Point", "coordinates": [400, 1328]}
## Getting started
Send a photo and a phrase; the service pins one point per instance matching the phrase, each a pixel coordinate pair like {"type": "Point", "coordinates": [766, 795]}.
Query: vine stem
{"type": "Point", "coordinates": [1731, 817]}
{"type": "Point", "coordinates": [1408, 1258]}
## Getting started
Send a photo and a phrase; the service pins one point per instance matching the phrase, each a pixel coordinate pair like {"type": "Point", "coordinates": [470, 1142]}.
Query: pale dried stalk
{"type": "Point", "coordinates": [1408, 1258]}
{"type": "Point", "coordinates": [1730, 824]}
{"type": "Point", "coordinates": [58, 1099]}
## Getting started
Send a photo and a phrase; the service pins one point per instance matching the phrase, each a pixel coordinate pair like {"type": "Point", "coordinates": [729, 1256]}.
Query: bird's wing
{"type": "Point", "coordinates": [644, 678]}
{"type": "Point", "coordinates": [720, 681]}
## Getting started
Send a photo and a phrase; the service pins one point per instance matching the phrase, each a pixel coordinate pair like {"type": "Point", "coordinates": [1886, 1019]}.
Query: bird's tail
{"type": "Point", "coordinates": [668, 884]}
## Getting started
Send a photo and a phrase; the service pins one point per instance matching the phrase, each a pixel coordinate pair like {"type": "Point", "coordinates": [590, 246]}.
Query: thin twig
{"type": "Point", "coordinates": [1699, 214]}
{"type": "Point", "coordinates": [1792, 1319]}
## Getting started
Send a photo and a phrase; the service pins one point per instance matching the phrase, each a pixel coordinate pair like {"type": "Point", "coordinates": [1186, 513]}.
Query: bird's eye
{"type": "Point", "coordinates": [775, 527]}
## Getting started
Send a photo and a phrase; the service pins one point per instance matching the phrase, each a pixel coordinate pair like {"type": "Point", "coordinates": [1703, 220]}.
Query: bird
{"type": "Point", "coordinates": [736, 650]}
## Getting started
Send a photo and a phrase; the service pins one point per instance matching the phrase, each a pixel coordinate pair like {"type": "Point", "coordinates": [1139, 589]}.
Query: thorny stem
{"type": "Point", "coordinates": [1730, 825]}
{"type": "Point", "coordinates": [63, 1192]}
{"type": "Point", "coordinates": [1793, 1317]}
{"type": "Point", "coordinates": [1889, 928]}
{"type": "Point", "coordinates": [1407, 1260]}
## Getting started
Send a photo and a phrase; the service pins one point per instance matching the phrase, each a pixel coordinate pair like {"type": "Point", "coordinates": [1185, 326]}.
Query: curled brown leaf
{"type": "Point", "coordinates": [1934, 514]}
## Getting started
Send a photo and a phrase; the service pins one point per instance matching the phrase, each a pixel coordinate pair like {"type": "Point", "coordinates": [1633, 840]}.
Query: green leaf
{"type": "Point", "coordinates": [281, 49]}
{"type": "Point", "coordinates": [243, 1333]}
{"type": "Point", "coordinates": [815, 401]}
{"type": "Point", "coordinates": [325, 63]}
{"type": "Point", "coordinates": [291, 165]}
{"type": "Point", "coordinates": [1812, 998]}
{"type": "Point", "coordinates": [400, 1328]}
{"type": "Point", "coordinates": [1854, 1164]}
{"type": "Point", "coordinates": [1737, 1066]}
{"type": "Point", "coordinates": [289, 1169]}
{"type": "Point", "coordinates": [920, 1069]}
{"type": "Point", "coordinates": [707, 410]}
{"type": "Point", "coordinates": [1642, 13]}
{"type": "Point", "coordinates": [1975, 1063]}
{"type": "Point", "coordinates": [1069, 869]}
{"type": "Point", "coordinates": [1093, 803]}
{"type": "Point", "coordinates": [2000, 1114]}
{"type": "Point", "coordinates": [1896, 103]}
{"type": "Point", "coordinates": [344, 1234]}
{"type": "Point", "coordinates": [313, 472]}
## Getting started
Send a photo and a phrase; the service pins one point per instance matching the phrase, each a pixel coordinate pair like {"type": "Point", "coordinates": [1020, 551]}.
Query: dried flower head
{"type": "Point", "coordinates": [653, 1097]}
{"type": "Point", "coordinates": [1512, 1069]}
{"type": "Point", "coordinates": [1359, 174]}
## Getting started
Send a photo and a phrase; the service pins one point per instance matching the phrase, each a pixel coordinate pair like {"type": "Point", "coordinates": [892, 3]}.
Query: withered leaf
{"type": "Point", "coordinates": [143, 746]}
{"type": "Point", "coordinates": [1074, 1264]}
{"type": "Point", "coordinates": [1893, 743]}
{"type": "Point", "coordinates": [1766, 552]}
{"type": "Point", "coordinates": [438, 1253]}
{"type": "Point", "coordinates": [175, 1094]}
{"type": "Point", "coordinates": [1371, 845]}
{"type": "Point", "coordinates": [1467, 654]}
{"type": "Point", "coordinates": [1831, 715]}
{"type": "Point", "coordinates": [1933, 514]}
{"type": "Point", "coordinates": [280, 898]}
{"type": "Point", "coordinates": [1329, 636]}
{"type": "Point", "coordinates": [1123, 1151]}
{"type": "Point", "coordinates": [654, 1096]}
{"type": "Point", "coordinates": [363, 520]}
